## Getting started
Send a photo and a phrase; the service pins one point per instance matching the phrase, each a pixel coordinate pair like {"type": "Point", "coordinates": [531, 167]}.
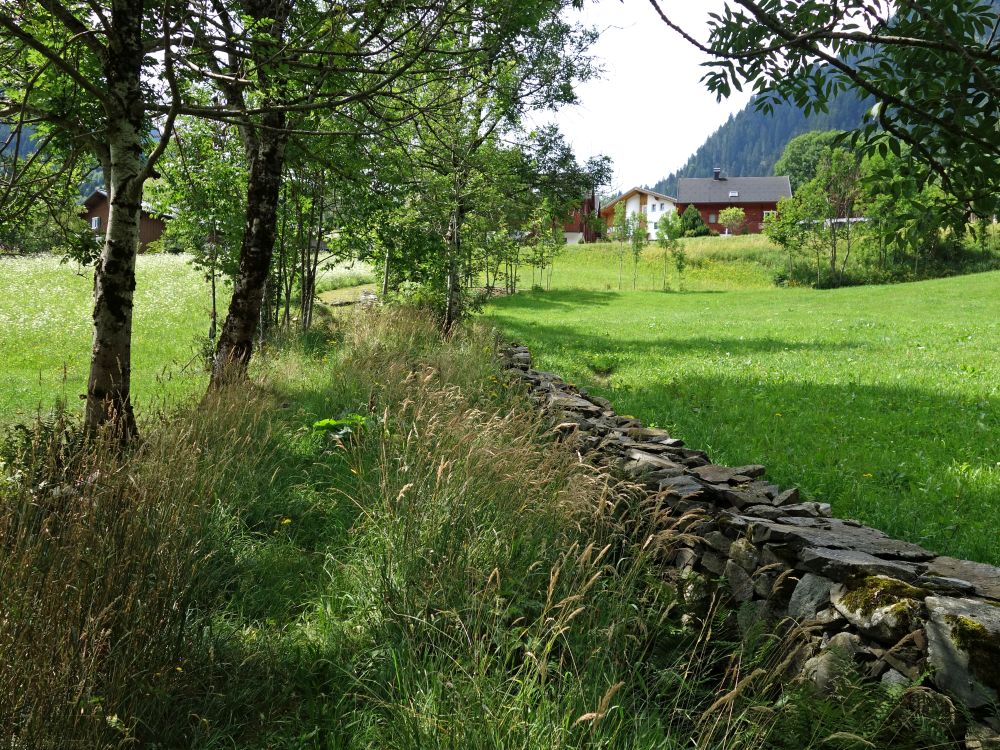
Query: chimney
{"type": "Point", "coordinates": [717, 173]}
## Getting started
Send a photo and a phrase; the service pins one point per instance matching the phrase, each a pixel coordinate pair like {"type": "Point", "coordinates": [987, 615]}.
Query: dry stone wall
{"type": "Point", "coordinates": [899, 611]}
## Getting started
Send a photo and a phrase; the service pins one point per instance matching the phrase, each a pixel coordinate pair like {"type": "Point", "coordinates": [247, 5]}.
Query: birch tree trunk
{"type": "Point", "coordinates": [385, 274]}
{"type": "Point", "coordinates": [453, 293]}
{"type": "Point", "coordinates": [108, 386]}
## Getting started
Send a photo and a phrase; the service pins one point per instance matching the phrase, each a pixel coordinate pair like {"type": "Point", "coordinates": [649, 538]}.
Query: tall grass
{"type": "Point", "coordinates": [713, 264]}
{"type": "Point", "coordinates": [442, 575]}
{"type": "Point", "coordinates": [343, 275]}
{"type": "Point", "coordinates": [102, 567]}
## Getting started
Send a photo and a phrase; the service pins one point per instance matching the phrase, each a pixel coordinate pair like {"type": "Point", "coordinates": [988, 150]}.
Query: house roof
{"type": "Point", "coordinates": [94, 198]}
{"type": "Point", "coordinates": [747, 189]}
{"type": "Point", "coordinates": [629, 192]}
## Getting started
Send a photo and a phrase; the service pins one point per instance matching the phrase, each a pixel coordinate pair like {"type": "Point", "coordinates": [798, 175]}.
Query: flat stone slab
{"type": "Point", "coordinates": [715, 474]}
{"type": "Point", "coordinates": [682, 487]}
{"type": "Point", "coordinates": [649, 447]}
{"type": "Point", "coordinates": [649, 461]}
{"type": "Point", "coordinates": [841, 564]}
{"type": "Point", "coordinates": [741, 497]}
{"type": "Point", "coordinates": [798, 510]}
{"type": "Point", "coordinates": [963, 648]}
{"type": "Point", "coordinates": [569, 402]}
{"type": "Point", "coordinates": [647, 433]}
{"type": "Point", "coordinates": [946, 586]}
{"type": "Point", "coordinates": [764, 511]}
{"type": "Point", "coordinates": [985, 579]}
{"type": "Point", "coordinates": [788, 497]}
{"type": "Point", "coordinates": [832, 533]}
{"type": "Point", "coordinates": [751, 470]}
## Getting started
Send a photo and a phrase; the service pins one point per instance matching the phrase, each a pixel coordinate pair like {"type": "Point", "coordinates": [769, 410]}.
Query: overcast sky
{"type": "Point", "coordinates": [650, 111]}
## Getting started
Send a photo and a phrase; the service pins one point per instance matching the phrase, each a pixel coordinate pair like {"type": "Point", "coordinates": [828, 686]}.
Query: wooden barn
{"type": "Point", "coordinates": [578, 226]}
{"type": "Point", "coordinates": [97, 207]}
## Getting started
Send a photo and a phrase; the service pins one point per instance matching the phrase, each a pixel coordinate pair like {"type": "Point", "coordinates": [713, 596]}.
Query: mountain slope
{"type": "Point", "coordinates": [751, 142]}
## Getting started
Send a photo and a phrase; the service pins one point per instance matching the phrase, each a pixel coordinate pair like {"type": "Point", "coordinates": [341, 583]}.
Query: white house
{"type": "Point", "coordinates": [640, 200]}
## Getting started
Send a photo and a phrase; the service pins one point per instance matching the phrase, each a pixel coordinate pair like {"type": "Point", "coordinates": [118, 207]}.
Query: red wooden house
{"type": "Point", "coordinates": [96, 209]}
{"type": "Point", "coordinates": [757, 196]}
{"type": "Point", "coordinates": [579, 225]}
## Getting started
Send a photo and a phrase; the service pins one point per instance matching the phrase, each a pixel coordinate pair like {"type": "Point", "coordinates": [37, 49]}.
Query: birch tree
{"type": "Point", "coordinates": [91, 77]}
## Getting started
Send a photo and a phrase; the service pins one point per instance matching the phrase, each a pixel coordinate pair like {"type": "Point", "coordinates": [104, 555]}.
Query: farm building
{"type": "Point", "coordinates": [96, 209]}
{"type": "Point", "coordinates": [640, 201]}
{"type": "Point", "coordinates": [577, 227]}
{"type": "Point", "coordinates": [757, 196]}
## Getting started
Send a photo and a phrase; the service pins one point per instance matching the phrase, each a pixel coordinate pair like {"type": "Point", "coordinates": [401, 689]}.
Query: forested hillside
{"type": "Point", "coordinates": [7, 142]}
{"type": "Point", "coordinates": [750, 142]}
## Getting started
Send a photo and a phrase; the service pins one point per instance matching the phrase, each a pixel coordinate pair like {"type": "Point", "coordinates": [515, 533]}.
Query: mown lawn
{"type": "Point", "coordinates": [884, 401]}
{"type": "Point", "coordinates": [45, 318]}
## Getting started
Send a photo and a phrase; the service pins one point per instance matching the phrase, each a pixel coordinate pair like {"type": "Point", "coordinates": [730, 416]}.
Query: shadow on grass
{"type": "Point", "coordinates": [251, 673]}
{"type": "Point", "coordinates": [623, 349]}
{"type": "Point", "coordinates": [572, 297]}
{"type": "Point", "coordinates": [917, 463]}
{"type": "Point", "coordinates": [554, 299]}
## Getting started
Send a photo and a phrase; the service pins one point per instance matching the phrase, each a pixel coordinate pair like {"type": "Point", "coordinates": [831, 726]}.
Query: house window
{"type": "Point", "coordinates": [769, 213]}
{"type": "Point", "coordinates": [734, 193]}
{"type": "Point", "coordinates": [95, 222]}
{"type": "Point", "coordinates": [652, 207]}
{"type": "Point", "coordinates": [661, 206]}
{"type": "Point", "coordinates": [711, 218]}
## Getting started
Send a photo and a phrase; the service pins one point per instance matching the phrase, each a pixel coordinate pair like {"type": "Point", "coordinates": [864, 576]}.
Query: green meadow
{"type": "Point", "coordinates": [47, 331]}
{"type": "Point", "coordinates": [713, 263]}
{"type": "Point", "coordinates": [441, 576]}
{"type": "Point", "coordinates": [45, 319]}
{"type": "Point", "coordinates": [435, 576]}
{"type": "Point", "coordinates": [882, 400]}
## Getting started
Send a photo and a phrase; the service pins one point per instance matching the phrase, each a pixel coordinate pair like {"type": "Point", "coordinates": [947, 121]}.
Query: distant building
{"type": "Point", "coordinates": [641, 201]}
{"type": "Point", "coordinates": [97, 207]}
{"type": "Point", "coordinates": [579, 226]}
{"type": "Point", "coordinates": [757, 196]}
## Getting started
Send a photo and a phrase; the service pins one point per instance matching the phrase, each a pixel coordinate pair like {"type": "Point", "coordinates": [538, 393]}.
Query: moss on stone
{"type": "Point", "coordinates": [875, 592]}
{"type": "Point", "coordinates": [982, 647]}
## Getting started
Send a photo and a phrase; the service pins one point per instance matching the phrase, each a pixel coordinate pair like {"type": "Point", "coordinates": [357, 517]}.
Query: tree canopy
{"type": "Point", "coordinates": [931, 66]}
{"type": "Point", "coordinates": [362, 99]}
{"type": "Point", "coordinates": [802, 156]}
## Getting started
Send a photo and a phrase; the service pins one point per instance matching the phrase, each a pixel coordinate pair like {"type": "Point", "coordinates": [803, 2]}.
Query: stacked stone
{"type": "Point", "coordinates": [895, 609]}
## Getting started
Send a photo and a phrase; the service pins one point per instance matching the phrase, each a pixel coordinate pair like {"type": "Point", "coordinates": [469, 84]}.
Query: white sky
{"type": "Point", "coordinates": [650, 111]}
